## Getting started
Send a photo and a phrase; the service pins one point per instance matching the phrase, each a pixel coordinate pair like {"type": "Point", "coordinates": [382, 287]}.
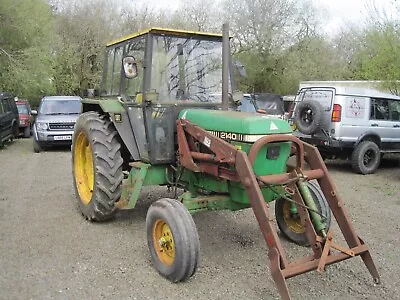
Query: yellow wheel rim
{"type": "Point", "coordinates": [163, 242]}
{"type": "Point", "coordinates": [294, 224]}
{"type": "Point", "coordinates": [83, 168]}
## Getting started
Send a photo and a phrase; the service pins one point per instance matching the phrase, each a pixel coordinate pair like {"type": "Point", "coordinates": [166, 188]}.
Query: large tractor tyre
{"type": "Point", "coordinates": [36, 147]}
{"type": "Point", "coordinates": [290, 224]}
{"type": "Point", "coordinates": [308, 116]}
{"type": "Point", "coordinates": [96, 166]}
{"type": "Point", "coordinates": [365, 158]}
{"type": "Point", "coordinates": [27, 132]}
{"type": "Point", "coordinates": [172, 239]}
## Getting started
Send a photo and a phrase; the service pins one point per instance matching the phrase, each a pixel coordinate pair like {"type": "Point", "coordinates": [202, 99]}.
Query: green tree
{"type": "Point", "coordinates": [25, 53]}
{"type": "Point", "coordinates": [379, 58]}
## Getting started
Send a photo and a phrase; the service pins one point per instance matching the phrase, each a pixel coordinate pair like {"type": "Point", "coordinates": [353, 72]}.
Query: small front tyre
{"type": "Point", "coordinates": [172, 239]}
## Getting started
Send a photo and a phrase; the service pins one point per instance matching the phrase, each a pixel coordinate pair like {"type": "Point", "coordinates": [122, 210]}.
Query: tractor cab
{"type": "Point", "coordinates": [155, 74]}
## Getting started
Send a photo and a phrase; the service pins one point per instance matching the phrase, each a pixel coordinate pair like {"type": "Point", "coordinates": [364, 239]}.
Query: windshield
{"type": "Point", "coordinates": [22, 109]}
{"type": "Point", "coordinates": [60, 107]}
{"type": "Point", "coordinates": [246, 105]}
{"type": "Point", "coordinates": [186, 69]}
{"type": "Point", "coordinates": [272, 104]}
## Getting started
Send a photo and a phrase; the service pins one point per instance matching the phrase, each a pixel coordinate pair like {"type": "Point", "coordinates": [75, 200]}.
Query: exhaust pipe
{"type": "Point", "coordinates": [225, 66]}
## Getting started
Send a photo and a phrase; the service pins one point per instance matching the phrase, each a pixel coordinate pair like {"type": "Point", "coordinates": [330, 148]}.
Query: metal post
{"type": "Point", "coordinates": [225, 65]}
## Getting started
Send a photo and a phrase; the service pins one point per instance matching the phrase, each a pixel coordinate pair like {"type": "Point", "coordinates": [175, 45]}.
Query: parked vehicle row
{"type": "Point", "coordinates": [342, 122]}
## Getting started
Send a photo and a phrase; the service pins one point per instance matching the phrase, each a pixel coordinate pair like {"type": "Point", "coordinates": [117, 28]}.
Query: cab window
{"type": "Point", "coordinates": [133, 86]}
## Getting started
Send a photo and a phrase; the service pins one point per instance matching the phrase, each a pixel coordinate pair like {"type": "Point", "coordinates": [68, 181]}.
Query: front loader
{"type": "Point", "coordinates": [165, 117]}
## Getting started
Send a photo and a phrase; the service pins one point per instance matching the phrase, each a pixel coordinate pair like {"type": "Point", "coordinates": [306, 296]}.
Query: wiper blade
{"type": "Point", "coordinates": [53, 114]}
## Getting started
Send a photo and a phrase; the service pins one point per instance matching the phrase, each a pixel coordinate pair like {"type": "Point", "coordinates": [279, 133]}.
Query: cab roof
{"type": "Point", "coordinates": [159, 30]}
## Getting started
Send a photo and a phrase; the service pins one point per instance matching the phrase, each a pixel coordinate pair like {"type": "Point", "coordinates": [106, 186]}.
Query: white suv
{"type": "Point", "coordinates": [345, 122]}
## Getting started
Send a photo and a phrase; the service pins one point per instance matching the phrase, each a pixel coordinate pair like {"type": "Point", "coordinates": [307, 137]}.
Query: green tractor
{"type": "Point", "coordinates": [163, 118]}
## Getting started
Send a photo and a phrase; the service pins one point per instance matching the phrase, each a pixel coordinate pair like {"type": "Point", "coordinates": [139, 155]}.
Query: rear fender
{"type": "Point", "coordinates": [369, 136]}
{"type": "Point", "coordinates": [114, 108]}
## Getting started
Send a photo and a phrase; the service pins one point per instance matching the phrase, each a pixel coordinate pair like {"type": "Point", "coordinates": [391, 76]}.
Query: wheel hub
{"type": "Point", "coordinates": [164, 242]}
{"type": "Point", "coordinates": [292, 220]}
{"type": "Point", "coordinates": [83, 168]}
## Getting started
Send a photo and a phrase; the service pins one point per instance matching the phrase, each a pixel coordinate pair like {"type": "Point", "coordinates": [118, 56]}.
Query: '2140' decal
{"type": "Point", "coordinates": [227, 135]}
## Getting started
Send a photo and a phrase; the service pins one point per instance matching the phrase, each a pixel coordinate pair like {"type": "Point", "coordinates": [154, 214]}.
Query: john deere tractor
{"type": "Point", "coordinates": [165, 117]}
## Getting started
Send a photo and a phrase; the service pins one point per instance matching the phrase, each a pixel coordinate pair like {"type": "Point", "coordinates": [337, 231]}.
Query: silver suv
{"type": "Point", "coordinates": [351, 123]}
{"type": "Point", "coordinates": [55, 121]}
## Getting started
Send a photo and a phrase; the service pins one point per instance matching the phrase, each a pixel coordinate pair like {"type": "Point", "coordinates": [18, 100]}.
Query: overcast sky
{"type": "Point", "coordinates": [338, 13]}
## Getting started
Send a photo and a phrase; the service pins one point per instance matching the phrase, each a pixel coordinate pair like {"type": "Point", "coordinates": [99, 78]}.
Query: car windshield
{"type": "Point", "coordinates": [246, 105]}
{"type": "Point", "coordinates": [272, 104]}
{"type": "Point", "coordinates": [60, 107]}
{"type": "Point", "coordinates": [22, 109]}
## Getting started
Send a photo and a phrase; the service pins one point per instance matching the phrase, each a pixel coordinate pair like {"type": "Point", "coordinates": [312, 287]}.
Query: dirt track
{"type": "Point", "coordinates": [48, 250]}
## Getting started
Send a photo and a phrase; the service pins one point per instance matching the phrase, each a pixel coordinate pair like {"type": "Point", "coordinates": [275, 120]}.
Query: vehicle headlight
{"type": "Point", "coordinates": [42, 126]}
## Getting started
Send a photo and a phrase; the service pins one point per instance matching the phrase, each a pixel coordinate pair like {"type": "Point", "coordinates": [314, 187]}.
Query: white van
{"type": "Point", "coordinates": [347, 122]}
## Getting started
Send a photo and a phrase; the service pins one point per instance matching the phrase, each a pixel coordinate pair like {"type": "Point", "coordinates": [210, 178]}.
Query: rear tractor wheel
{"type": "Point", "coordinates": [172, 239]}
{"type": "Point", "coordinates": [96, 166]}
{"type": "Point", "coordinates": [289, 223]}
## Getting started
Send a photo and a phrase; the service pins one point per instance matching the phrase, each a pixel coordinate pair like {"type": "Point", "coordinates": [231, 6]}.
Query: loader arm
{"type": "Point", "coordinates": [221, 155]}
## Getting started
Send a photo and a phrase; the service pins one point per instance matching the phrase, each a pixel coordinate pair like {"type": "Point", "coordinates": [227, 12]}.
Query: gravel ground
{"type": "Point", "coordinates": [48, 250]}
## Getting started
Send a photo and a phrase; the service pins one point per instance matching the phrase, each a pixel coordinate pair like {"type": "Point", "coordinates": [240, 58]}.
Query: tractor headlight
{"type": "Point", "coordinates": [42, 126]}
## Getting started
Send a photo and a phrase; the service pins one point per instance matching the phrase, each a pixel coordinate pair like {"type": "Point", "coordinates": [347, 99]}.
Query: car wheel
{"type": "Point", "coordinates": [15, 131]}
{"type": "Point", "coordinates": [27, 132]}
{"type": "Point", "coordinates": [365, 158]}
{"type": "Point", "coordinates": [36, 147]}
{"type": "Point", "coordinates": [290, 225]}
{"type": "Point", "coordinates": [172, 239]}
{"type": "Point", "coordinates": [96, 166]}
{"type": "Point", "coordinates": [308, 116]}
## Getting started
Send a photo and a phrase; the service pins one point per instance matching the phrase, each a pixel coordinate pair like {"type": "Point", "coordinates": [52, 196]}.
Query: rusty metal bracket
{"type": "Point", "coordinates": [218, 158]}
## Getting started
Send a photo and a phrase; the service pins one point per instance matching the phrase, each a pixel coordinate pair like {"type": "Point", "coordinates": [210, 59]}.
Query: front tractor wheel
{"type": "Point", "coordinates": [96, 166]}
{"type": "Point", "coordinates": [172, 239]}
{"type": "Point", "coordinates": [289, 222]}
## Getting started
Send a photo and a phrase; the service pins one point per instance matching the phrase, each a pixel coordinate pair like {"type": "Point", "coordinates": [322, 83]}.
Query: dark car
{"type": "Point", "coordinates": [25, 117]}
{"type": "Point", "coordinates": [9, 119]}
{"type": "Point", "coordinates": [54, 124]}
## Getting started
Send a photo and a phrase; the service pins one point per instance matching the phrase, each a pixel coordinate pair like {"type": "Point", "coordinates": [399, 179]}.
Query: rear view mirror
{"type": "Point", "coordinates": [130, 67]}
{"type": "Point", "coordinates": [33, 112]}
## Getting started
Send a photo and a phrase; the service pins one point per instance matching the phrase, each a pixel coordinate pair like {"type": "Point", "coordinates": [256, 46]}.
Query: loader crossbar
{"type": "Point", "coordinates": [224, 161]}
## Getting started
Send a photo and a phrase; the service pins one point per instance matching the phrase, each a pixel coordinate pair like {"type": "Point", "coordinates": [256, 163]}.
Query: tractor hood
{"type": "Point", "coordinates": [233, 121]}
